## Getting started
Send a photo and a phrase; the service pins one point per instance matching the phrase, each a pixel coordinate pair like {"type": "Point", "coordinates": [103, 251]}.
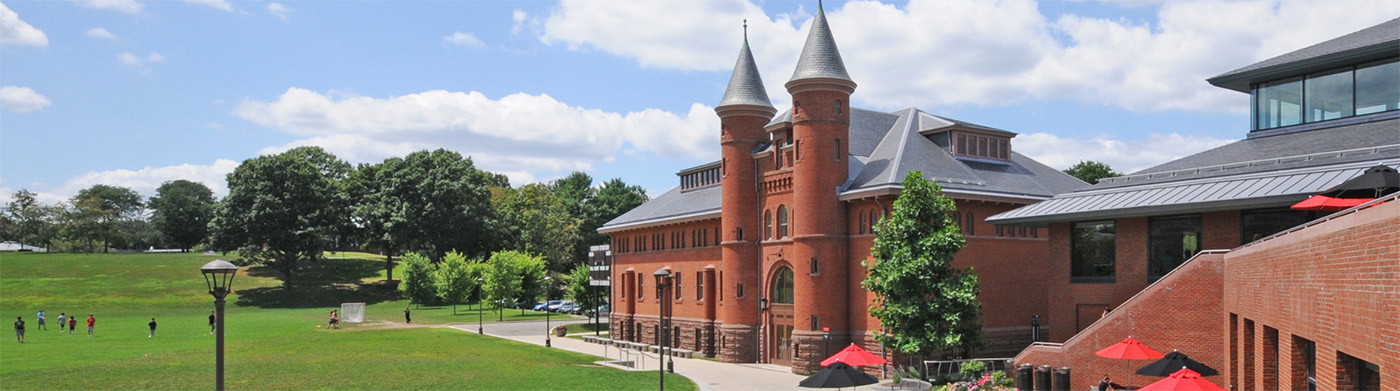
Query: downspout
{"type": "Point", "coordinates": [758, 216]}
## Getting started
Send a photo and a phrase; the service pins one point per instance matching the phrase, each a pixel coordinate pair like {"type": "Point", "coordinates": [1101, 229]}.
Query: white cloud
{"type": "Point", "coordinates": [464, 39]}
{"type": "Point", "coordinates": [126, 58]}
{"type": "Point", "coordinates": [215, 4]}
{"type": "Point", "coordinates": [22, 99]}
{"type": "Point", "coordinates": [14, 31]}
{"type": "Point", "coordinates": [517, 134]}
{"type": "Point", "coordinates": [102, 33]}
{"type": "Point", "coordinates": [932, 53]}
{"type": "Point", "coordinates": [278, 10]}
{"type": "Point", "coordinates": [127, 6]}
{"type": "Point", "coordinates": [144, 181]}
{"type": "Point", "coordinates": [520, 19]}
{"type": "Point", "coordinates": [1125, 156]}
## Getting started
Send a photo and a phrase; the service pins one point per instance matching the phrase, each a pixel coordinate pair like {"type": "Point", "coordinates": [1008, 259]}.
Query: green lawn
{"type": "Point", "coordinates": [272, 337]}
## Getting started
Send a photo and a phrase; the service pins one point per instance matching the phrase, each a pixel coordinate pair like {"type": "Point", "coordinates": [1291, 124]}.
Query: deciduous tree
{"type": "Point", "coordinates": [103, 214]}
{"type": "Point", "coordinates": [182, 211]}
{"type": "Point", "coordinates": [454, 280]}
{"type": "Point", "coordinates": [418, 279]}
{"type": "Point", "coordinates": [1091, 171]}
{"type": "Point", "coordinates": [535, 220]}
{"type": "Point", "coordinates": [925, 303]}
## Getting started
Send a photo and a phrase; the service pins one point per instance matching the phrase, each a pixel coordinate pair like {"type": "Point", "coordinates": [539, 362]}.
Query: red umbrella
{"type": "Point", "coordinates": [854, 356]}
{"type": "Point", "coordinates": [1183, 380]}
{"type": "Point", "coordinates": [1322, 202]}
{"type": "Point", "coordinates": [1129, 349]}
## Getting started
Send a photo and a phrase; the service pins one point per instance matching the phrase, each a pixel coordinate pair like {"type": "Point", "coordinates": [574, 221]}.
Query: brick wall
{"type": "Point", "coordinates": [1181, 311]}
{"type": "Point", "coordinates": [1337, 284]}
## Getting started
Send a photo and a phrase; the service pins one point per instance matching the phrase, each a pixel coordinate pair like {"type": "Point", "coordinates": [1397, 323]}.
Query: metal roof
{"type": "Point", "coordinates": [745, 85]}
{"type": "Point", "coordinates": [820, 59]}
{"type": "Point", "coordinates": [1373, 43]}
{"type": "Point", "coordinates": [673, 206]}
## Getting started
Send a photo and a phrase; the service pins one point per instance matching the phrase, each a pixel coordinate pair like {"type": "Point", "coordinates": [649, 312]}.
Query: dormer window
{"type": "Point", "coordinates": [703, 176]}
{"type": "Point", "coordinates": [981, 145]}
{"type": "Point", "coordinates": [1338, 93]}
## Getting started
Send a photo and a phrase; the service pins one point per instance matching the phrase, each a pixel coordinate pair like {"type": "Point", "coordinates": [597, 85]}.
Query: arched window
{"type": "Point", "coordinates": [862, 223]}
{"type": "Point", "coordinates": [782, 287]}
{"type": "Point", "coordinates": [969, 224]}
{"type": "Point", "coordinates": [838, 150]}
{"type": "Point", "coordinates": [837, 105]}
{"type": "Point", "coordinates": [872, 220]}
{"type": "Point", "coordinates": [767, 224]}
{"type": "Point", "coordinates": [782, 221]}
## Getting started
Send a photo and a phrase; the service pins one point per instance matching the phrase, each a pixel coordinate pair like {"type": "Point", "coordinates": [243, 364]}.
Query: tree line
{"type": "Point", "coordinates": [286, 209]}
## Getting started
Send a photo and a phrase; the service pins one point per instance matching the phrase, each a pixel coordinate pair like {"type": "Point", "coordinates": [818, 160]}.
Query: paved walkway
{"type": "Point", "coordinates": [709, 375]}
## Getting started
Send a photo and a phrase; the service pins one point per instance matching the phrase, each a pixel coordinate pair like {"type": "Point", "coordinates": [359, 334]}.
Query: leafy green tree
{"type": "Point", "coordinates": [577, 191]}
{"type": "Point", "coordinates": [182, 211]}
{"type": "Point", "coordinates": [612, 199]}
{"type": "Point", "coordinates": [1091, 171]}
{"type": "Point", "coordinates": [925, 303]}
{"type": "Point", "coordinates": [418, 279]}
{"type": "Point", "coordinates": [503, 279]}
{"type": "Point", "coordinates": [282, 209]}
{"type": "Point", "coordinates": [535, 220]}
{"type": "Point", "coordinates": [584, 293]}
{"type": "Point", "coordinates": [454, 280]}
{"type": "Point", "coordinates": [102, 213]}
{"type": "Point", "coordinates": [31, 222]}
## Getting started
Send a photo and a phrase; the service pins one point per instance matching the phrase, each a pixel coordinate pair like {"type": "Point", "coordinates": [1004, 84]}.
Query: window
{"type": "Point", "coordinates": [782, 221]}
{"type": "Point", "coordinates": [641, 287]}
{"type": "Point", "coordinates": [1304, 356]}
{"type": "Point", "coordinates": [962, 144]}
{"type": "Point", "coordinates": [999, 229]}
{"type": "Point", "coordinates": [873, 220]}
{"type": "Point", "coordinates": [814, 323]}
{"type": "Point", "coordinates": [797, 150]}
{"type": "Point", "coordinates": [721, 286]}
{"type": "Point", "coordinates": [1171, 241]}
{"type": "Point", "coordinates": [1005, 149]}
{"type": "Point", "coordinates": [739, 291]}
{"type": "Point", "coordinates": [1279, 103]}
{"type": "Point", "coordinates": [782, 287]}
{"type": "Point", "coordinates": [837, 106]}
{"type": "Point", "coordinates": [1260, 223]}
{"type": "Point", "coordinates": [767, 224]}
{"type": "Point", "coordinates": [679, 277]}
{"type": "Point", "coordinates": [1328, 96]}
{"type": "Point", "coordinates": [816, 269]}
{"type": "Point", "coordinates": [1092, 252]}
{"type": "Point", "coordinates": [970, 224]}
{"type": "Point", "coordinates": [739, 233]}
{"type": "Point", "coordinates": [1378, 87]}
{"type": "Point", "coordinates": [862, 222]}
{"type": "Point", "coordinates": [838, 150]}
{"type": "Point", "coordinates": [699, 285]}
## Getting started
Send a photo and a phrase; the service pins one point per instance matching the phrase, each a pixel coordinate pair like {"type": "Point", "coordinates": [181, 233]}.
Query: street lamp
{"type": "Point", "coordinates": [826, 341]}
{"type": "Point", "coordinates": [479, 300]}
{"type": "Point", "coordinates": [218, 276]}
{"type": "Point", "coordinates": [547, 330]}
{"type": "Point", "coordinates": [663, 281]}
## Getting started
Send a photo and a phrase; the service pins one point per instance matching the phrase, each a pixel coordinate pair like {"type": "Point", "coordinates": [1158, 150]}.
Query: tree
{"type": "Point", "coordinates": [454, 280]}
{"type": "Point", "coordinates": [502, 279]}
{"type": "Point", "coordinates": [103, 214]}
{"type": "Point", "coordinates": [576, 190]}
{"type": "Point", "coordinates": [183, 210]}
{"type": "Point", "coordinates": [281, 209]}
{"type": "Point", "coordinates": [925, 303]}
{"type": "Point", "coordinates": [31, 222]}
{"type": "Point", "coordinates": [535, 220]}
{"type": "Point", "coordinates": [612, 199]}
{"type": "Point", "coordinates": [584, 293]}
{"type": "Point", "coordinates": [1091, 171]}
{"type": "Point", "coordinates": [418, 279]}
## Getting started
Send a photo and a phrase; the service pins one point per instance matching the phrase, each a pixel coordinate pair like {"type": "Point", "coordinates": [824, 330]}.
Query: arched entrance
{"type": "Point", "coordinates": [780, 317]}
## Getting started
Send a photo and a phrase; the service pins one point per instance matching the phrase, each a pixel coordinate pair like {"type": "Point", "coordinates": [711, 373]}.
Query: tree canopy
{"type": "Point", "coordinates": [454, 280]}
{"type": "Point", "coordinates": [925, 303]}
{"type": "Point", "coordinates": [511, 275]}
{"type": "Point", "coordinates": [1091, 171]}
{"type": "Point", "coordinates": [104, 213]}
{"type": "Point", "coordinates": [182, 211]}
{"type": "Point", "coordinates": [31, 222]}
{"type": "Point", "coordinates": [537, 221]}
{"type": "Point", "coordinates": [418, 279]}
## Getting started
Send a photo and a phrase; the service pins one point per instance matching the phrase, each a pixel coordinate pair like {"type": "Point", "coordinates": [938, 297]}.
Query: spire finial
{"type": "Point", "coordinates": [746, 29]}
{"type": "Point", "coordinates": [819, 7]}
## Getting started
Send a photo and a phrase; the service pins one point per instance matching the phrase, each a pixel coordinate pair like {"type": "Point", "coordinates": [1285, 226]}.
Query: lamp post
{"type": "Point", "coordinates": [479, 282]}
{"type": "Point", "coordinates": [663, 281]}
{"type": "Point", "coordinates": [218, 276]}
{"type": "Point", "coordinates": [826, 342]}
{"type": "Point", "coordinates": [547, 330]}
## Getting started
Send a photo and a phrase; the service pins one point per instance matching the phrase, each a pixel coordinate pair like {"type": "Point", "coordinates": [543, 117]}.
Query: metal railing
{"type": "Point", "coordinates": [943, 368]}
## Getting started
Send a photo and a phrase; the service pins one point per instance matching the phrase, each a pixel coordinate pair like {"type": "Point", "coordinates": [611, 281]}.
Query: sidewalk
{"type": "Point", "coordinates": [709, 375]}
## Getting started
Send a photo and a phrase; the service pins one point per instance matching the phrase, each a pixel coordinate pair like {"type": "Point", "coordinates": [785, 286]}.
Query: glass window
{"type": "Point", "coordinates": [969, 225]}
{"type": "Point", "coordinates": [782, 287]}
{"type": "Point", "coordinates": [1328, 96]}
{"type": "Point", "coordinates": [1279, 103]}
{"type": "Point", "coordinates": [679, 277]}
{"type": "Point", "coordinates": [862, 222]}
{"type": "Point", "coordinates": [699, 285]}
{"type": "Point", "coordinates": [767, 224]}
{"type": "Point", "coordinates": [1378, 87]}
{"type": "Point", "coordinates": [1258, 224]}
{"type": "Point", "coordinates": [782, 222]}
{"type": "Point", "coordinates": [816, 267]}
{"type": "Point", "coordinates": [1092, 254]}
{"type": "Point", "coordinates": [1171, 241]}
{"type": "Point", "coordinates": [641, 287]}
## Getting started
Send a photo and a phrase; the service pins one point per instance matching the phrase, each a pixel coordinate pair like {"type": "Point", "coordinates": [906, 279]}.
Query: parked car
{"type": "Point", "coordinates": [602, 309]}
{"type": "Point", "coordinates": [558, 303]}
{"type": "Point", "coordinates": [548, 305]}
{"type": "Point", "coordinates": [568, 307]}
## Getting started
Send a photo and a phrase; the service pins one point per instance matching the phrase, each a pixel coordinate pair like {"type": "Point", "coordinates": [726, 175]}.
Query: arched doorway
{"type": "Point", "coordinates": [780, 317]}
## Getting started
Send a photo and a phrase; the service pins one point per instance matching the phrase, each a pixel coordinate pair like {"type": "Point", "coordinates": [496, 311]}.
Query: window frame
{"type": "Point", "coordinates": [1074, 262]}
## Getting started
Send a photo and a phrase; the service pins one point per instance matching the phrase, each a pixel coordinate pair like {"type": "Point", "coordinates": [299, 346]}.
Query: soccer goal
{"type": "Point", "coordinates": [352, 312]}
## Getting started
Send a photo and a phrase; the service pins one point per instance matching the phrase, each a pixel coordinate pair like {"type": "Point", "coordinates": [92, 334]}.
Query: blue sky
{"type": "Point", "coordinates": [134, 93]}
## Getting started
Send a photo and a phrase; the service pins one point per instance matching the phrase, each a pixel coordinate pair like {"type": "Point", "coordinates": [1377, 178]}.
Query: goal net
{"type": "Point", "coordinates": [352, 312]}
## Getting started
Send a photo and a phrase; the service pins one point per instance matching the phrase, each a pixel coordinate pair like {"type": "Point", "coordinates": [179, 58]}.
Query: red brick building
{"type": "Point", "coordinates": [1321, 115]}
{"type": "Point", "coordinates": [767, 243]}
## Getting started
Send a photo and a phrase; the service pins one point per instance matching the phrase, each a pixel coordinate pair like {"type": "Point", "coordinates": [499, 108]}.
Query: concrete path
{"type": "Point", "coordinates": [709, 375]}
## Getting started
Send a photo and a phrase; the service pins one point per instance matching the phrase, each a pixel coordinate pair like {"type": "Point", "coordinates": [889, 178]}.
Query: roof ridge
{"type": "Point", "coordinates": [909, 119]}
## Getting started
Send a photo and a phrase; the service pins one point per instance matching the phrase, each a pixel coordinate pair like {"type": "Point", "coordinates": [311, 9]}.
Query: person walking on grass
{"type": "Point", "coordinates": [334, 321]}
{"type": "Point", "coordinates": [406, 317]}
{"type": "Point", "coordinates": [19, 328]}
{"type": "Point", "coordinates": [72, 324]}
{"type": "Point", "coordinates": [62, 319]}
{"type": "Point", "coordinates": [211, 322]}
{"type": "Point", "coordinates": [153, 328]}
{"type": "Point", "coordinates": [41, 321]}
{"type": "Point", "coordinates": [91, 321]}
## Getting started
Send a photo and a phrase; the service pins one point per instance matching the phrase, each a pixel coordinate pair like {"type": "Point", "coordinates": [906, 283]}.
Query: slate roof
{"type": "Point", "coordinates": [884, 147]}
{"type": "Point", "coordinates": [820, 59]}
{"type": "Point", "coordinates": [1376, 42]}
{"type": "Point", "coordinates": [745, 85]}
{"type": "Point", "coordinates": [1251, 173]}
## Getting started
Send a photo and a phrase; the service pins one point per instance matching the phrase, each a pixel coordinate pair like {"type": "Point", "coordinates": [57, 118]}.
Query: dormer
{"type": "Point", "coordinates": [701, 176]}
{"type": "Point", "coordinates": [966, 140]}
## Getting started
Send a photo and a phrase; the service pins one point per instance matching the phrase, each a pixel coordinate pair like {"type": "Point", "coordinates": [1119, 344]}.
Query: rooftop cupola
{"type": "Point", "coordinates": [745, 91]}
{"type": "Point", "coordinates": [820, 66]}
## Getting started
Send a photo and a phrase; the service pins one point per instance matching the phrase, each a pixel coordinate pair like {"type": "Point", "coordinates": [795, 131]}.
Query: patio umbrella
{"type": "Point", "coordinates": [838, 375]}
{"type": "Point", "coordinates": [1325, 203]}
{"type": "Point", "coordinates": [1183, 380]}
{"type": "Point", "coordinates": [1376, 182]}
{"type": "Point", "coordinates": [854, 356]}
{"type": "Point", "coordinates": [1129, 349]}
{"type": "Point", "coordinates": [1172, 363]}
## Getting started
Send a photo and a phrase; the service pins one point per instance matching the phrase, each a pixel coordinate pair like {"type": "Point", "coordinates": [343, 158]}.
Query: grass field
{"type": "Point", "coordinates": [272, 337]}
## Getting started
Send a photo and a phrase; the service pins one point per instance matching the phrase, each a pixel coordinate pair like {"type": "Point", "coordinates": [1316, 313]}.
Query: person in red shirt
{"type": "Point", "coordinates": [72, 324]}
{"type": "Point", "coordinates": [91, 321]}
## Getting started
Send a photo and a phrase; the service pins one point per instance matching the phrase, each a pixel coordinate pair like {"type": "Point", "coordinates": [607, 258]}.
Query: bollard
{"type": "Point", "coordinates": [1025, 379]}
{"type": "Point", "coordinates": [1042, 378]}
{"type": "Point", "coordinates": [1060, 379]}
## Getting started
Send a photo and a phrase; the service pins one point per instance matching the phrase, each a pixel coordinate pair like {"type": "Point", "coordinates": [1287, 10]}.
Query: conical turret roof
{"type": "Point", "coordinates": [820, 59]}
{"type": "Point", "coordinates": [745, 86]}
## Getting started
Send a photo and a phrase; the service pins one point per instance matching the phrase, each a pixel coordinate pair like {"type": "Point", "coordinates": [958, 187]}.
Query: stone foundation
{"type": "Point", "coordinates": [738, 343]}
{"type": "Point", "coordinates": [810, 349]}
